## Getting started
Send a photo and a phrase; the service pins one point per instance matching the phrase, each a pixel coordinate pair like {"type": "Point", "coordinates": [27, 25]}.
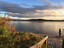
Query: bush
{"type": "Point", "coordinates": [13, 39]}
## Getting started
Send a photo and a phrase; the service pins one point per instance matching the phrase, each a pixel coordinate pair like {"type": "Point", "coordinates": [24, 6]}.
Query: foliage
{"type": "Point", "coordinates": [14, 39]}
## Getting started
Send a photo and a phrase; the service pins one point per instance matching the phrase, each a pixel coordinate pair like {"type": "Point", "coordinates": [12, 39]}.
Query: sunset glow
{"type": "Point", "coordinates": [31, 10]}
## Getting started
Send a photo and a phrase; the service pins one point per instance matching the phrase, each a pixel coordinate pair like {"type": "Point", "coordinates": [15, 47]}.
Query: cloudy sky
{"type": "Point", "coordinates": [32, 8]}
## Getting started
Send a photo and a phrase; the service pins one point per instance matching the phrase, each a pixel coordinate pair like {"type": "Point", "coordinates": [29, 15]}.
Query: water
{"type": "Point", "coordinates": [41, 27]}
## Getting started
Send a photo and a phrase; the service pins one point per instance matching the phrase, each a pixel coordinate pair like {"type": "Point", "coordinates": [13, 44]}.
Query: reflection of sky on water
{"type": "Point", "coordinates": [38, 26]}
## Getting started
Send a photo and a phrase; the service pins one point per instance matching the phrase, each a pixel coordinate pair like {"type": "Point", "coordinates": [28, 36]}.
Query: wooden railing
{"type": "Point", "coordinates": [41, 44]}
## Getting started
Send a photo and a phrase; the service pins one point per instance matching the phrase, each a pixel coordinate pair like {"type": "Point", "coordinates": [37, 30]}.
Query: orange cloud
{"type": "Point", "coordinates": [51, 12]}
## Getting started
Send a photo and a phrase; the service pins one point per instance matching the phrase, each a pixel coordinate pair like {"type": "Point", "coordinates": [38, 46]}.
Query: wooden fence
{"type": "Point", "coordinates": [41, 44]}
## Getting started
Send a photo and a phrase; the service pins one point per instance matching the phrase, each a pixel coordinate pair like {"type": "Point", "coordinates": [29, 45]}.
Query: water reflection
{"type": "Point", "coordinates": [38, 26]}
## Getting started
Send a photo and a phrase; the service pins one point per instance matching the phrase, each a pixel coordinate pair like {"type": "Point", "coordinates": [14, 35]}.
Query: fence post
{"type": "Point", "coordinates": [45, 43]}
{"type": "Point", "coordinates": [63, 43]}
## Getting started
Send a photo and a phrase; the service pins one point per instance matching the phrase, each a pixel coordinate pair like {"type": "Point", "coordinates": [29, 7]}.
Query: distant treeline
{"type": "Point", "coordinates": [34, 20]}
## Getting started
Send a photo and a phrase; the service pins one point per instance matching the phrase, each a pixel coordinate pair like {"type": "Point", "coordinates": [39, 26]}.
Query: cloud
{"type": "Point", "coordinates": [23, 4]}
{"type": "Point", "coordinates": [17, 10]}
{"type": "Point", "coordinates": [62, 3]}
{"type": "Point", "coordinates": [27, 15]}
{"type": "Point", "coordinates": [51, 12]}
{"type": "Point", "coordinates": [14, 8]}
{"type": "Point", "coordinates": [49, 2]}
{"type": "Point", "coordinates": [40, 13]}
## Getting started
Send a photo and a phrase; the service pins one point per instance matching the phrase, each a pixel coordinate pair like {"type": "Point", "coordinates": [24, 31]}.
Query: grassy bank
{"type": "Point", "coordinates": [10, 38]}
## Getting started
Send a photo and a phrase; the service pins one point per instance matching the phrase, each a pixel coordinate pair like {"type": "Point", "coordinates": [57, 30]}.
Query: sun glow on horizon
{"type": "Point", "coordinates": [51, 12]}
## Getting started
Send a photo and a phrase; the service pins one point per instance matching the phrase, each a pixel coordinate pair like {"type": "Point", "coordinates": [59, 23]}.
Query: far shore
{"type": "Point", "coordinates": [36, 20]}
{"type": "Point", "coordinates": [42, 20]}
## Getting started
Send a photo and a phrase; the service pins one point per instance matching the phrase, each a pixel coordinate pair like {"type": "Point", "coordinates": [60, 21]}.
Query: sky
{"type": "Point", "coordinates": [22, 9]}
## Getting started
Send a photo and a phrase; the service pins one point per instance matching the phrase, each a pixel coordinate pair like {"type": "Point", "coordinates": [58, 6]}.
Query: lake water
{"type": "Point", "coordinates": [42, 27]}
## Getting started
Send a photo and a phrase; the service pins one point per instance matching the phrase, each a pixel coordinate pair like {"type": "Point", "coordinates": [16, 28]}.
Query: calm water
{"type": "Point", "coordinates": [38, 26]}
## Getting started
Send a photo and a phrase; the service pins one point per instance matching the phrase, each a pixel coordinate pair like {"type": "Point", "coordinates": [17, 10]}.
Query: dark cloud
{"type": "Point", "coordinates": [22, 15]}
{"type": "Point", "coordinates": [48, 7]}
{"type": "Point", "coordinates": [23, 4]}
{"type": "Point", "coordinates": [15, 8]}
